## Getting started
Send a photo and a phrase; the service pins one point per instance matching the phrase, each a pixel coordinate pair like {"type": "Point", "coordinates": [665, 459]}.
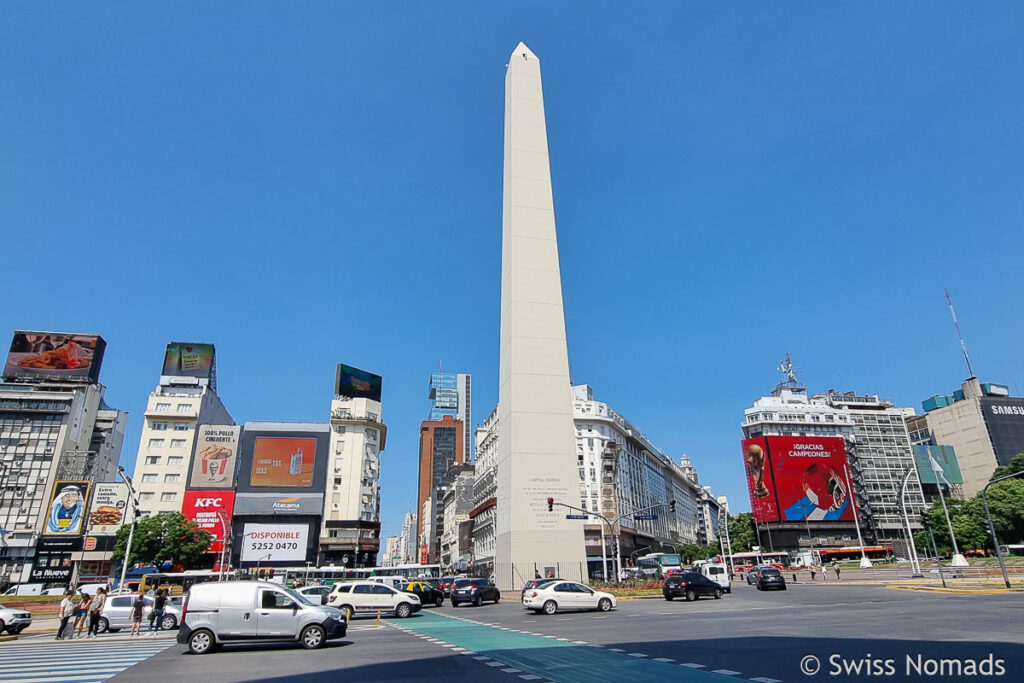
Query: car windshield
{"type": "Point", "coordinates": [770, 572]}
{"type": "Point", "coordinates": [465, 583]}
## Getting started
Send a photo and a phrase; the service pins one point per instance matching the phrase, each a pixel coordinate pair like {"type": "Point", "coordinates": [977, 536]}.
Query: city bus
{"type": "Point", "coordinates": [176, 583]}
{"type": "Point", "coordinates": [658, 564]}
{"type": "Point", "coordinates": [744, 562]}
{"type": "Point", "coordinates": [852, 552]}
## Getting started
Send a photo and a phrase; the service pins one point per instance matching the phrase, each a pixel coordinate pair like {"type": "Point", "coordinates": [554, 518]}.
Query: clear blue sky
{"type": "Point", "coordinates": [311, 183]}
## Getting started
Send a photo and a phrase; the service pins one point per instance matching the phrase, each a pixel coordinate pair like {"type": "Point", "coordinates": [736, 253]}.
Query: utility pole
{"type": "Point", "coordinates": [131, 530]}
{"type": "Point", "coordinates": [915, 564]}
{"type": "Point", "coordinates": [865, 563]}
{"type": "Point", "coordinates": [991, 526]}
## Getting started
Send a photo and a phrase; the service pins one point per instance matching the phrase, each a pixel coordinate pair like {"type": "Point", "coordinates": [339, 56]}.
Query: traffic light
{"type": "Point", "coordinates": [271, 573]}
{"type": "Point", "coordinates": [926, 521]}
{"type": "Point", "coordinates": [551, 504]}
{"type": "Point", "coordinates": [672, 505]}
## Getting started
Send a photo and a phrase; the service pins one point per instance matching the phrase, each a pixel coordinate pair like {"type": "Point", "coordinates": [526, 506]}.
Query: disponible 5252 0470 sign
{"type": "Point", "coordinates": [282, 542]}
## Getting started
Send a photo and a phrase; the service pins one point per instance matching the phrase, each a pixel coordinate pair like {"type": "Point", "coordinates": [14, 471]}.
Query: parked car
{"type": "Point", "coordinates": [690, 585]}
{"type": "Point", "coordinates": [25, 589]}
{"type": "Point", "coordinates": [534, 583]}
{"type": "Point", "coordinates": [770, 578]}
{"type": "Point", "coordinates": [427, 594]}
{"type": "Point", "coordinates": [117, 612]}
{"type": "Point", "coordinates": [315, 594]}
{"type": "Point", "coordinates": [446, 585]}
{"type": "Point", "coordinates": [14, 620]}
{"type": "Point", "coordinates": [559, 595]}
{"type": "Point", "coordinates": [474, 591]}
{"type": "Point", "coordinates": [370, 597]}
{"type": "Point", "coordinates": [393, 581]}
{"type": "Point", "coordinates": [244, 611]}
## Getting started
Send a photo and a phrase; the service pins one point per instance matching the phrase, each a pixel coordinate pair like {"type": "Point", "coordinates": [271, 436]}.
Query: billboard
{"type": "Point", "coordinates": [760, 484]}
{"type": "Point", "coordinates": [216, 451]}
{"type": "Point", "coordinates": [274, 542]}
{"type": "Point", "coordinates": [66, 512]}
{"type": "Point", "coordinates": [798, 478]}
{"type": "Point", "coordinates": [945, 456]}
{"type": "Point", "coordinates": [55, 356]}
{"type": "Point", "coordinates": [1004, 420]}
{"type": "Point", "coordinates": [355, 383]}
{"type": "Point", "coordinates": [205, 508]}
{"type": "Point", "coordinates": [108, 509]}
{"type": "Point", "coordinates": [279, 504]}
{"type": "Point", "coordinates": [283, 462]}
{"type": "Point", "coordinates": [185, 359]}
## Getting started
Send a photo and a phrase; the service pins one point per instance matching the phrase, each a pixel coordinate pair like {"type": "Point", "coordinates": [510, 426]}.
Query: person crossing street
{"type": "Point", "coordinates": [67, 610]}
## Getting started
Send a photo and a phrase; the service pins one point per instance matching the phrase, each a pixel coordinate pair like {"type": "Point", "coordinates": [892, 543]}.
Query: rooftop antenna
{"type": "Point", "coordinates": [787, 370]}
{"type": "Point", "coordinates": [963, 345]}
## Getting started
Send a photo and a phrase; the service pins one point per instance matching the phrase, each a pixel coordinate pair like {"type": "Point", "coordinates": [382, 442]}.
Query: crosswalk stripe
{"type": "Point", "coordinates": [90, 663]}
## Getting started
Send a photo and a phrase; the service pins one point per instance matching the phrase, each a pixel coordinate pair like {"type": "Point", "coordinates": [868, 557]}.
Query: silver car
{"type": "Point", "coordinates": [117, 613]}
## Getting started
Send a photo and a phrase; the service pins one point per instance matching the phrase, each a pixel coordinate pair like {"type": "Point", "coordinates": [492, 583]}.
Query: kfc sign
{"type": "Point", "coordinates": [212, 511]}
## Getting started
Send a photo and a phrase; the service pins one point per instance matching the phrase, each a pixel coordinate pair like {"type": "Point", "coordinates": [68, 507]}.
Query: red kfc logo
{"type": "Point", "coordinates": [209, 502]}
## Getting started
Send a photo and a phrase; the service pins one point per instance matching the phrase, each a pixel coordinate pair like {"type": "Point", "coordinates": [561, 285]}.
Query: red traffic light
{"type": "Point", "coordinates": [551, 504]}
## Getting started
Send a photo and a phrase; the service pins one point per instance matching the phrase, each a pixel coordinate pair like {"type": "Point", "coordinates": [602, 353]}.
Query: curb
{"type": "Point", "coordinates": [940, 589]}
{"type": "Point", "coordinates": [4, 639]}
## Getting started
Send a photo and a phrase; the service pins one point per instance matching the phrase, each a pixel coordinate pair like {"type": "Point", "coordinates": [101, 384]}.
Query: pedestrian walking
{"type": "Point", "coordinates": [80, 614]}
{"type": "Point", "coordinates": [95, 610]}
{"type": "Point", "coordinates": [68, 607]}
{"type": "Point", "coordinates": [813, 573]}
{"type": "Point", "coordinates": [138, 606]}
{"type": "Point", "coordinates": [835, 565]}
{"type": "Point", "coordinates": [158, 611]}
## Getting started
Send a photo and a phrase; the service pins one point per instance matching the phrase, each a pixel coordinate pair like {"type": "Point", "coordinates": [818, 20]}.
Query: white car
{"type": "Point", "coordinates": [14, 620]}
{"type": "Point", "coordinates": [566, 595]}
{"type": "Point", "coordinates": [370, 597]}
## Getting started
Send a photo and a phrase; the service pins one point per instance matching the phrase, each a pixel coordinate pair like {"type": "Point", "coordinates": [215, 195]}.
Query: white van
{"type": "Point", "coordinates": [25, 589]}
{"type": "Point", "coordinates": [393, 581]}
{"type": "Point", "coordinates": [718, 573]}
{"type": "Point", "coordinates": [243, 611]}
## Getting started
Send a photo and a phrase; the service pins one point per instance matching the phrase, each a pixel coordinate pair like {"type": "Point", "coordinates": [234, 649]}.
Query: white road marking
{"type": "Point", "coordinates": [691, 665]}
{"type": "Point", "coordinates": [664, 659]}
{"type": "Point", "coordinates": [725, 672]}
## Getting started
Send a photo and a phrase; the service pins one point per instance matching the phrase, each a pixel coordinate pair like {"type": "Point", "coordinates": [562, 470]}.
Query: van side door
{"type": "Point", "coordinates": [278, 614]}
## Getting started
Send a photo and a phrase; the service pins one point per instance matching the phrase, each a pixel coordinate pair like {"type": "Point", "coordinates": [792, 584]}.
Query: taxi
{"type": "Point", "coordinates": [427, 594]}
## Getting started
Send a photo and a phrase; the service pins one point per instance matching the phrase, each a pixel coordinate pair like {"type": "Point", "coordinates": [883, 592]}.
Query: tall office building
{"type": "Point", "coordinates": [57, 436]}
{"type": "Point", "coordinates": [983, 423]}
{"type": "Point", "coordinates": [185, 398]}
{"type": "Point", "coordinates": [451, 394]}
{"type": "Point", "coordinates": [535, 415]}
{"type": "Point", "coordinates": [441, 448]}
{"type": "Point", "coordinates": [351, 516]}
{"type": "Point", "coordinates": [407, 544]}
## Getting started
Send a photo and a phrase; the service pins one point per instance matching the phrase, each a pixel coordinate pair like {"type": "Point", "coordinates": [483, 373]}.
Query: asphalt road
{"type": "Point", "coordinates": [748, 635]}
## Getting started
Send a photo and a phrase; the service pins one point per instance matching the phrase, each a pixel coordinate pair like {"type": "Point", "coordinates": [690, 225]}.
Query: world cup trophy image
{"type": "Point", "coordinates": [754, 458]}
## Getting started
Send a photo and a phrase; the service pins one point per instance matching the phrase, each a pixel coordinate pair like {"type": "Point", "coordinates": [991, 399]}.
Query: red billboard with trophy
{"type": "Point", "coordinates": [760, 484]}
{"type": "Point", "coordinates": [798, 478]}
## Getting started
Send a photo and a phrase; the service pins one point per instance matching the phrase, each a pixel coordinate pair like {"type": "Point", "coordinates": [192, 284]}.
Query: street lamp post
{"type": "Point", "coordinates": [992, 528]}
{"type": "Point", "coordinates": [265, 557]}
{"type": "Point", "coordinates": [915, 564]}
{"type": "Point", "coordinates": [131, 530]}
{"type": "Point", "coordinates": [223, 542]}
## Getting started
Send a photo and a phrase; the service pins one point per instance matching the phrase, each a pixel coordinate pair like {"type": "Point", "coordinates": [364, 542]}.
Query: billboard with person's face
{"type": "Point", "coordinates": [59, 356]}
{"type": "Point", "coordinates": [283, 462]}
{"type": "Point", "coordinates": [66, 513]}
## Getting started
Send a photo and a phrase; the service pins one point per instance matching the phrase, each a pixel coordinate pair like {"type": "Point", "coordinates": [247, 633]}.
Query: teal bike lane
{"type": "Point", "coordinates": [558, 660]}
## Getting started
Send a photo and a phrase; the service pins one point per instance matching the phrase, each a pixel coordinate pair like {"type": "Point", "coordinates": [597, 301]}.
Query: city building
{"type": "Point", "coordinates": [451, 394]}
{"type": "Point", "coordinates": [440, 448]}
{"type": "Point", "coordinates": [485, 492]}
{"type": "Point", "coordinates": [407, 540]}
{"type": "Point", "coordinates": [925, 450]}
{"type": "Point", "coordinates": [392, 554]}
{"type": "Point", "coordinates": [862, 443]}
{"type": "Point", "coordinates": [58, 439]}
{"type": "Point", "coordinates": [983, 424]}
{"type": "Point", "coordinates": [534, 399]}
{"type": "Point", "coordinates": [455, 496]}
{"type": "Point", "coordinates": [185, 398]}
{"type": "Point", "coordinates": [351, 515]}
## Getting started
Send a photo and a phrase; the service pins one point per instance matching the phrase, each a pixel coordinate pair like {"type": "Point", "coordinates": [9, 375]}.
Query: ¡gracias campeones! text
{"type": "Point", "coordinates": [809, 450]}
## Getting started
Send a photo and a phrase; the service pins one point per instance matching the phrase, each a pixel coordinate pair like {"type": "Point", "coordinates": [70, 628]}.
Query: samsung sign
{"type": "Point", "coordinates": [278, 504]}
{"type": "Point", "coordinates": [1007, 410]}
{"type": "Point", "coordinates": [1004, 420]}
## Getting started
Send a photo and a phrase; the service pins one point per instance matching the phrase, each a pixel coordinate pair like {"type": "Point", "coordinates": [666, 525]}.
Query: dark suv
{"type": "Point", "coordinates": [446, 585]}
{"type": "Point", "coordinates": [474, 591]}
{"type": "Point", "coordinates": [689, 585]}
{"type": "Point", "coordinates": [769, 578]}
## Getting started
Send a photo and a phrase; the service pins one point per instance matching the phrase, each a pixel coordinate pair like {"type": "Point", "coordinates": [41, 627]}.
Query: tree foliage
{"type": "Point", "coordinates": [742, 535]}
{"type": "Point", "coordinates": [166, 537]}
{"type": "Point", "coordinates": [1016, 465]}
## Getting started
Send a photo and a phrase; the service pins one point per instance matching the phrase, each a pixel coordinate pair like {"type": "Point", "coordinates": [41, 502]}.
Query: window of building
{"type": "Point", "coordinates": [145, 496]}
{"type": "Point", "coordinates": [172, 478]}
{"type": "Point", "coordinates": [181, 426]}
{"type": "Point", "coordinates": [156, 443]}
{"type": "Point", "coordinates": [168, 497]}
{"type": "Point", "coordinates": [163, 407]}
{"type": "Point", "coordinates": [158, 426]}
{"type": "Point", "coordinates": [184, 408]}
{"type": "Point", "coordinates": [148, 478]}
{"type": "Point", "coordinates": [175, 460]}
{"type": "Point", "coordinates": [152, 459]}
{"type": "Point", "coordinates": [177, 443]}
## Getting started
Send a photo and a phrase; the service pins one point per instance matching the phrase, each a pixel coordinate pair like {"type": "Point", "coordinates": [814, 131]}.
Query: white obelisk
{"type": "Point", "coordinates": [536, 436]}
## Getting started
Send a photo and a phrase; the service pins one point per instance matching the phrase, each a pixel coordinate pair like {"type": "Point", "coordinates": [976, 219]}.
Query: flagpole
{"type": "Point", "coordinates": [958, 559]}
{"type": "Point", "coordinates": [865, 563]}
